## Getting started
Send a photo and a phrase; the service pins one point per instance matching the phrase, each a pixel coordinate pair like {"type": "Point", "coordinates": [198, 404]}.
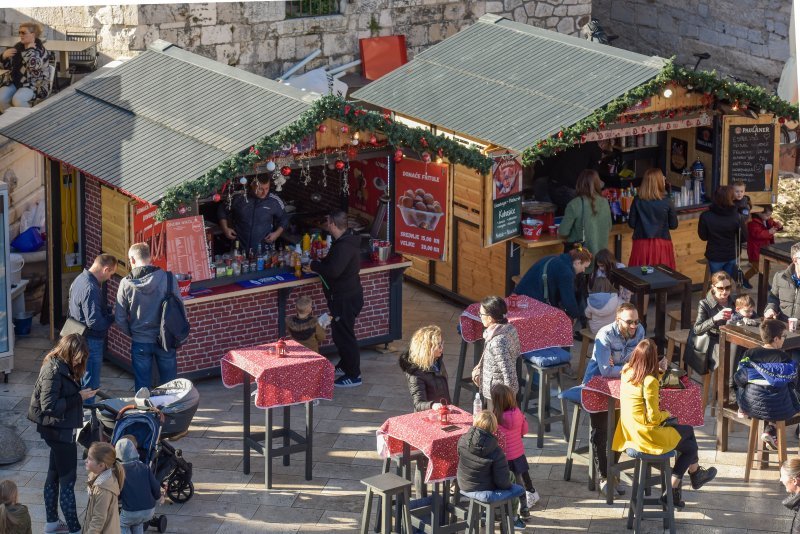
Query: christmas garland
{"type": "Point", "coordinates": [328, 107]}
{"type": "Point", "coordinates": [739, 95]}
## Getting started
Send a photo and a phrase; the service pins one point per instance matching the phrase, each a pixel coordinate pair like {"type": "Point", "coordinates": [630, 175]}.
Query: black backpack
{"type": "Point", "coordinates": [174, 327]}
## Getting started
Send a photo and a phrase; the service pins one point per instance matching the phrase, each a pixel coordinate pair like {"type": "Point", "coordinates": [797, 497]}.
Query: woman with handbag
{"type": "Point", "coordinates": [587, 218]}
{"type": "Point", "coordinates": [28, 69]}
{"type": "Point", "coordinates": [57, 409]}
{"type": "Point", "coordinates": [652, 216]}
{"type": "Point", "coordinates": [646, 428]}
{"type": "Point", "coordinates": [498, 364]}
{"type": "Point", "coordinates": [713, 311]}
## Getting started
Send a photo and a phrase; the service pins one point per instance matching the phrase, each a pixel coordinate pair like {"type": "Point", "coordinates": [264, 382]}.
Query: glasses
{"type": "Point", "coordinates": [484, 314]}
{"type": "Point", "coordinates": [24, 33]}
{"type": "Point", "coordinates": [630, 322]}
{"type": "Point", "coordinates": [722, 288]}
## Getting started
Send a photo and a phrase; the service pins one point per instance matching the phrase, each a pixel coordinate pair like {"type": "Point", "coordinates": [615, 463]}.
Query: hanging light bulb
{"type": "Point", "coordinates": [735, 106]}
{"type": "Point", "coordinates": [357, 136]}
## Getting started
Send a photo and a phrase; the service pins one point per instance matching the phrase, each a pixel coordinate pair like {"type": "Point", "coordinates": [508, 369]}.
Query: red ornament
{"type": "Point", "coordinates": [423, 142]}
{"type": "Point", "coordinates": [602, 124]}
{"type": "Point", "coordinates": [583, 138]}
{"type": "Point", "coordinates": [352, 152]}
{"type": "Point", "coordinates": [782, 120]}
{"type": "Point", "coordinates": [560, 135]}
{"type": "Point", "coordinates": [440, 153]}
{"type": "Point", "coordinates": [322, 128]}
{"type": "Point", "coordinates": [254, 150]}
{"type": "Point", "coordinates": [426, 157]}
{"type": "Point", "coordinates": [217, 197]}
{"type": "Point", "coordinates": [671, 114]}
{"type": "Point", "coordinates": [345, 129]}
{"type": "Point", "coordinates": [398, 155]}
{"type": "Point", "coordinates": [346, 109]}
{"type": "Point", "coordinates": [339, 165]}
{"type": "Point", "coordinates": [286, 170]}
{"type": "Point", "coordinates": [373, 140]}
{"type": "Point", "coordinates": [182, 209]}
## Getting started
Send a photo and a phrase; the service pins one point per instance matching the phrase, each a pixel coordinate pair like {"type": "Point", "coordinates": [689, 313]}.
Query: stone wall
{"type": "Point", "coordinates": [746, 39]}
{"type": "Point", "coordinates": [258, 37]}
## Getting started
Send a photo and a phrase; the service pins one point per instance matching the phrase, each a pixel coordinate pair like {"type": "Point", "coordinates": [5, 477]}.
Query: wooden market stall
{"type": "Point", "coordinates": [154, 165]}
{"type": "Point", "coordinates": [544, 106]}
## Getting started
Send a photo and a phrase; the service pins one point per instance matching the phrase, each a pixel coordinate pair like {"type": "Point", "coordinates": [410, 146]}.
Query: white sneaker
{"type": "Point", "coordinates": [59, 527]}
{"type": "Point", "coordinates": [532, 497]}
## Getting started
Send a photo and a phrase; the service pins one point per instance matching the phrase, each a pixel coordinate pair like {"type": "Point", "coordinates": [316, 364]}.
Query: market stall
{"type": "Point", "coordinates": [157, 169]}
{"type": "Point", "coordinates": [544, 106]}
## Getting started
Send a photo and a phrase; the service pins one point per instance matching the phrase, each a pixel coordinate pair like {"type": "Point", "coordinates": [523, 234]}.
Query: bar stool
{"type": "Point", "coordinates": [676, 338]}
{"type": "Point", "coordinates": [706, 276]}
{"type": "Point", "coordinates": [386, 487]}
{"type": "Point", "coordinates": [505, 511]}
{"type": "Point", "coordinates": [585, 452]}
{"type": "Point", "coordinates": [587, 339]}
{"type": "Point", "coordinates": [642, 481]}
{"type": "Point", "coordinates": [675, 318]}
{"type": "Point", "coordinates": [756, 428]}
{"type": "Point", "coordinates": [545, 414]}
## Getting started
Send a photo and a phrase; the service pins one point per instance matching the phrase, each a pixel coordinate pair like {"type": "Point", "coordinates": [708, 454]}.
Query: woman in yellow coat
{"type": "Point", "coordinates": [641, 426]}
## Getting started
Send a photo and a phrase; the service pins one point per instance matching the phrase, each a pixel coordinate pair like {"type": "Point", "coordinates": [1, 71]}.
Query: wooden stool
{"type": "Point", "coordinates": [642, 481]}
{"type": "Point", "coordinates": [387, 486]}
{"type": "Point", "coordinates": [676, 338]}
{"type": "Point", "coordinates": [544, 413]}
{"type": "Point", "coordinates": [708, 379]}
{"type": "Point", "coordinates": [587, 339]}
{"type": "Point", "coordinates": [706, 276]}
{"type": "Point", "coordinates": [756, 428]}
{"type": "Point", "coordinates": [675, 318]}
{"type": "Point", "coordinates": [586, 452]}
{"type": "Point", "coordinates": [476, 508]}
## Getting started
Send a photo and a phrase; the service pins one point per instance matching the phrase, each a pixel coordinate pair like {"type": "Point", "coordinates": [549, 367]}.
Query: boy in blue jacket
{"type": "Point", "coordinates": [140, 491]}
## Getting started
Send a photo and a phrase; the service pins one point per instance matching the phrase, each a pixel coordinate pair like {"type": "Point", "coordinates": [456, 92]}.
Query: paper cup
{"type": "Point", "coordinates": [792, 324]}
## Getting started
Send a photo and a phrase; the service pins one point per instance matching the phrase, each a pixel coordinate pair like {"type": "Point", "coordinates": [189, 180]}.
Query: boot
{"type": "Point", "coordinates": [702, 476]}
{"type": "Point", "coordinates": [677, 498]}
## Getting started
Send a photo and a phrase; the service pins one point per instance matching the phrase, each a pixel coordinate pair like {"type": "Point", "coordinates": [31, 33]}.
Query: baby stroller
{"type": "Point", "coordinates": [155, 419]}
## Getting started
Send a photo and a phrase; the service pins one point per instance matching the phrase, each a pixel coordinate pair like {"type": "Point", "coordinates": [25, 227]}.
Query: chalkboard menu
{"type": "Point", "coordinates": [751, 154]}
{"type": "Point", "coordinates": [506, 214]}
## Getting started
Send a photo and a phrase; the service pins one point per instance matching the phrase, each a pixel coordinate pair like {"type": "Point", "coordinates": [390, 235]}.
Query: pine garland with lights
{"type": "Point", "coordinates": [707, 82]}
{"type": "Point", "coordinates": [328, 107]}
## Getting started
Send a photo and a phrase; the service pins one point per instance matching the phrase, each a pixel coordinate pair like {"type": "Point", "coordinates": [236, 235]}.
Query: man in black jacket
{"type": "Point", "coordinates": [87, 304]}
{"type": "Point", "coordinates": [341, 284]}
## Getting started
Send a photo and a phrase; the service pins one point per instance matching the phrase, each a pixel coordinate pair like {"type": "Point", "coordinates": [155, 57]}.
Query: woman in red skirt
{"type": "Point", "coordinates": [652, 216]}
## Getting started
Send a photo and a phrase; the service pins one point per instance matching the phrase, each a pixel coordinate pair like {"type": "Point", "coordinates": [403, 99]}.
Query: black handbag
{"type": "Point", "coordinates": [72, 326]}
{"type": "Point", "coordinates": [698, 352]}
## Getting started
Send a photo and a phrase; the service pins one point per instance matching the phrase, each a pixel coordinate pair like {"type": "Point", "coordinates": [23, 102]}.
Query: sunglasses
{"type": "Point", "coordinates": [722, 288]}
{"type": "Point", "coordinates": [630, 322]}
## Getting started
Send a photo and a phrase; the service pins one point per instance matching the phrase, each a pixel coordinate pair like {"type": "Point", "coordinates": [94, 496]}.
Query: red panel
{"type": "Point", "coordinates": [381, 55]}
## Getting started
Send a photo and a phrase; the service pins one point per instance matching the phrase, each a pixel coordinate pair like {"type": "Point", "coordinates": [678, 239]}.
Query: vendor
{"type": "Point", "coordinates": [258, 216]}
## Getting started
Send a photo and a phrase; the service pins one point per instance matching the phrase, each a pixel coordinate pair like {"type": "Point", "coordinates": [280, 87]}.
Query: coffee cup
{"type": "Point", "coordinates": [726, 313]}
{"type": "Point", "coordinates": [792, 324]}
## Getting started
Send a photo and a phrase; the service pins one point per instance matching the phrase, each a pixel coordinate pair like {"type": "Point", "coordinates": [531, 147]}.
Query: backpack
{"type": "Point", "coordinates": [174, 328]}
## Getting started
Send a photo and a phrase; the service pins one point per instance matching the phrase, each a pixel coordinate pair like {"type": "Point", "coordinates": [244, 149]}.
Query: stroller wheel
{"type": "Point", "coordinates": [162, 523]}
{"type": "Point", "coordinates": [179, 489]}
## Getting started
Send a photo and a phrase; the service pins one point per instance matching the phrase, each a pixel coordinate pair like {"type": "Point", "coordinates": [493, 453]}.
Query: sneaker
{"type": "Point", "coordinates": [58, 527]}
{"type": "Point", "coordinates": [677, 498]}
{"type": "Point", "coordinates": [519, 524]}
{"type": "Point", "coordinates": [532, 497]}
{"type": "Point", "coordinates": [702, 476]}
{"type": "Point", "coordinates": [746, 284]}
{"type": "Point", "coordinates": [770, 437]}
{"type": "Point", "coordinates": [347, 382]}
{"type": "Point", "coordinates": [337, 371]}
{"type": "Point", "coordinates": [524, 512]}
{"type": "Point", "coordinates": [604, 486]}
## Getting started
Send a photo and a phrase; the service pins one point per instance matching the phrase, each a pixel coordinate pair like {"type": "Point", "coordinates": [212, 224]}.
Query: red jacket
{"type": "Point", "coordinates": [758, 236]}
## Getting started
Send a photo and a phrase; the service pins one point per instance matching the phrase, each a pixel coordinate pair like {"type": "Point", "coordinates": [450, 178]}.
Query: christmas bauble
{"type": "Point", "coordinates": [217, 197]}
{"type": "Point", "coordinates": [286, 170]}
{"type": "Point", "coordinates": [322, 128]}
{"type": "Point", "coordinates": [426, 157]}
{"type": "Point", "coordinates": [270, 166]}
{"type": "Point", "coordinates": [345, 129]}
{"type": "Point", "coordinates": [339, 165]}
{"type": "Point", "coordinates": [243, 180]}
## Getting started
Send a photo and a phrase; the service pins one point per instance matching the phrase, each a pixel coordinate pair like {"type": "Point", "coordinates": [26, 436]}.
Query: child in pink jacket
{"type": "Point", "coordinates": [513, 424]}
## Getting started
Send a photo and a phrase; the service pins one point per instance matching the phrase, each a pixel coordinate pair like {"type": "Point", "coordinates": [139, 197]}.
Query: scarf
{"type": "Point", "coordinates": [490, 330]}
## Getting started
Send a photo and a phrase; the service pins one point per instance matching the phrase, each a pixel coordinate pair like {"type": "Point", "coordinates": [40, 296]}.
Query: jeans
{"type": "Point", "coordinates": [133, 522]}
{"type": "Point", "coordinates": [11, 96]}
{"type": "Point", "coordinates": [495, 495]}
{"type": "Point", "coordinates": [59, 486]}
{"type": "Point", "coordinates": [727, 266]}
{"type": "Point", "coordinates": [91, 378]}
{"type": "Point", "coordinates": [142, 361]}
{"type": "Point", "coordinates": [345, 310]}
{"type": "Point", "coordinates": [686, 449]}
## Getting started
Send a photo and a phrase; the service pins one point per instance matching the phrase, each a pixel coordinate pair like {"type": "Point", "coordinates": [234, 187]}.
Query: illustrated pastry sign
{"type": "Point", "coordinates": [420, 208]}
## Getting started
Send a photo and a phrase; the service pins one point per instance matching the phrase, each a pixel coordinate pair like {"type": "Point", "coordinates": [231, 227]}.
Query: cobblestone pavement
{"type": "Point", "coordinates": [344, 452]}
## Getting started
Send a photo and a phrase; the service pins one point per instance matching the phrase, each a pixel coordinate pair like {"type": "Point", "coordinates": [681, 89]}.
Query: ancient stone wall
{"type": "Point", "coordinates": [257, 36]}
{"type": "Point", "coordinates": [746, 38]}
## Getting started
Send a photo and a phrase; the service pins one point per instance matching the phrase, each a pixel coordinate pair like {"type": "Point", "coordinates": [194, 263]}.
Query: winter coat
{"type": "Point", "coordinates": [425, 385]}
{"type": "Point", "coordinates": [138, 308]}
{"type": "Point", "coordinates": [340, 269]}
{"type": "Point", "coordinates": [601, 309]}
{"type": "Point", "coordinates": [21, 517]}
{"type": "Point", "coordinates": [56, 405]}
{"type": "Point", "coordinates": [87, 304]}
{"type": "Point", "coordinates": [500, 353]}
{"type": "Point", "coordinates": [482, 465]}
{"type": "Point", "coordinates": [102, 511]}
{"type": "Point", "coordinates": [721, 228]}
{"type": "Point", "coordinates": [652, 219]}
{"type": "Point", "coordinates": [784, 297]}
{"type": "Point", "coordinates": [141, 490]}
{"type": "Point", "coordinates": [560, 283]}
{"type": "Point", "coordinates": [611, 351]}
{"type": "Point", "coordinates": [514, 426]}
{"type": "Point", "coordinates": [254, 218]}
{"type": "Point", "coordinates": [308, 332]}
{"type": "Point", "coordinates": [640, 420]}
{"type": "Point", "coordinates": [580, 222]}
{"type": "Point", "coordinates": [792, 502]}
{"type": "Point", "coordinates": [758, 236]}
{"type": "Point", "coordinates": [707, 308]}
{"type": "Point", "coordinates": [30, 68]}
{"type": "Point", "coordinates": [766, 382]}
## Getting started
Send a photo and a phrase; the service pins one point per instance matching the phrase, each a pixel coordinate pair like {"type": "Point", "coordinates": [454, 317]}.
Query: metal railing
{"type": "Point", "coordinates": [311, 8]}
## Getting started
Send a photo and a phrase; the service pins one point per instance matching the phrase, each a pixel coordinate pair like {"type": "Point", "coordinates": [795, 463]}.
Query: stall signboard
{"type": "Point", "coordinates": [506, 216]}
{"type": "Point", "coordinates": [187, 249]}
{"type": "Point", "coordinates": [750, 152]}
{"type": "Point", "coordinates": [367, 181]}
{"type": "Point", "coordinates": [421, 209]}
{"type": "Point", "coordinates": [506, 198]}
{"type": "Point", "coordinates": [678, 124]}
{"type": "Point", "coordinates": [147, 229]}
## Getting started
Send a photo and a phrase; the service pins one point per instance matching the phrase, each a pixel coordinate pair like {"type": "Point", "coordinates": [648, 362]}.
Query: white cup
{"type": "Point", "coordinates": [792, 324]}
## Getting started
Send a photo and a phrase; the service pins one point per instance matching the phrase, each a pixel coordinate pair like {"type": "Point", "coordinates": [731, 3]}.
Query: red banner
{"type": "Point", "coordinates": [146, 229]}
{"type": "Point", "coordinates": [367, 181]}
{"type": "Point", "coordinates": [421, 208]}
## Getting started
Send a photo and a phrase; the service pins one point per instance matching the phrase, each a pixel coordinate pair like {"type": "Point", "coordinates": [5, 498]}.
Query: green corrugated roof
{"type": "Point", "coordinates": [509, 84]}
{"type": "Point", "coordinates": [159, 119]}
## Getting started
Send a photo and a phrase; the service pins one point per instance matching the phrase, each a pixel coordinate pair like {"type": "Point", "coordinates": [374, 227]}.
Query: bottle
{"type": "Point", "coordinates": [297, 270]}
{"type": "Point", "coordinates": [477, 405]}
{"type": "Point", "coordinates": [306, 242]}
{"type": "Point", "coordinates": [236, 252]}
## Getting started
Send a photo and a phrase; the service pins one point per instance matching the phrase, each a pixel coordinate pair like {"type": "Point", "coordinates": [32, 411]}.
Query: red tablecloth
{"type": "Point", "coordinates": [440, 447]}
{"type": "Point", "coordinates": [539, 326]}
{"type": "Point", "coordinates": [685, 404]}
{"type": "Point", "coordinates": [301, 376]}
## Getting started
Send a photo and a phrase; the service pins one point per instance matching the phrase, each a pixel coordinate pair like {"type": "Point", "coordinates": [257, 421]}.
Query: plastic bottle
{"type": "Point", "coordinates": [306, 242]}
{"type": "Point", "coordinates": [477, 405]}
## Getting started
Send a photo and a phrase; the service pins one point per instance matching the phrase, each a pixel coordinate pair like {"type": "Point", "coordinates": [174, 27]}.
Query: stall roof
{"type": "Point", "coordinates": [161, 118]}
{"type": "Point", "coordinates": [508, 83]}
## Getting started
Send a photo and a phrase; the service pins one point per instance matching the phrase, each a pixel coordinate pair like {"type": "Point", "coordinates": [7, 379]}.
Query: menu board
{"type": "Point", "coordinates": [506, 215]}
{"type": "Point", "coordinates": [506, 198]}
{"type": "Point", "coordinates": [421, 208]}
{"type": "Point", "coordinates": [751, 154]}
{"type": "Point", "coordinates": [187, 250]}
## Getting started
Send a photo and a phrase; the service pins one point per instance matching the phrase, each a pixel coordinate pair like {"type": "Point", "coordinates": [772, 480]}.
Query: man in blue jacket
{"type": "Point", "coordinates": [613, 346]}
{"type": "Point", "coordinates": [87, 304]}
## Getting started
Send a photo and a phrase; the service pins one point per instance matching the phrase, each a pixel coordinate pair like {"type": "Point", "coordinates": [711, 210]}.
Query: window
{"type": "Point", "coordinates": [311, 8]}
